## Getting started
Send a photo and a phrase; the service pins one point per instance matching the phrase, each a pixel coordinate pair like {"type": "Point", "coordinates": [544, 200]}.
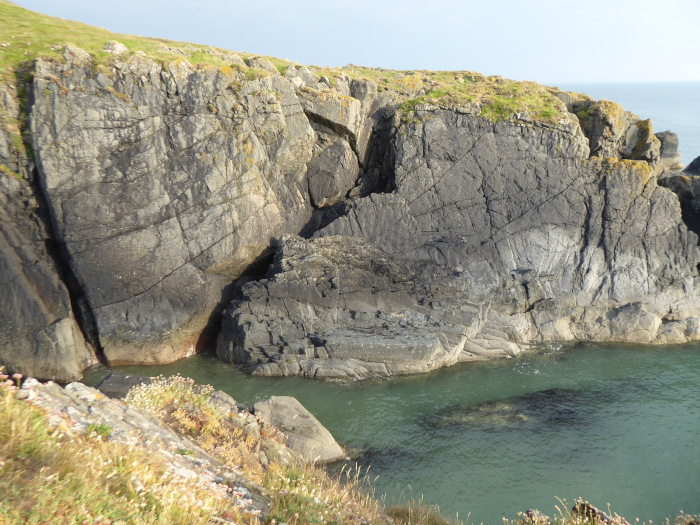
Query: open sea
{"type": "Point", "coordinates": [670, 105]}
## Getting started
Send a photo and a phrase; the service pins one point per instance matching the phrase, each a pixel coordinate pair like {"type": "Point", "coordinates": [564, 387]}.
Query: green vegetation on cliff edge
{"type": "Point", "coordinates": [26, 35]}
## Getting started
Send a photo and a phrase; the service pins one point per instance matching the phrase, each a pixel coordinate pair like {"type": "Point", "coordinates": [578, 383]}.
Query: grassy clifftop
{"type": "Point", "coordinates": [26, 35]}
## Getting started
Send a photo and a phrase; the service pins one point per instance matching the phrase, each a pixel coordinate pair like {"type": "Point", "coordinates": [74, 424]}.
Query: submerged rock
{"type": "Point", "coordinates": [533, 410]}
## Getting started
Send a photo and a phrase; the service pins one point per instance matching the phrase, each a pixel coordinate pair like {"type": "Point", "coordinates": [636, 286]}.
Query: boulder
{"type": "Point", "coordinates": [614, 132]}
{"type": "Point", "coordinates": [115, 48]}
{"type": "Point", "coordinates": [341, 113]}
{"type": "Point", "coordinates": [164, 187]}
{"type": "Point", "coordinates": [305, 434]}
{"type": "Point", "coordinates": [669, 155]}
{"type": "Point", "coordinates": [332, 172]}
{"type": "Point", "coordinates": [263, 64]}
{"type": "Point", "coordinates": [303, 74]}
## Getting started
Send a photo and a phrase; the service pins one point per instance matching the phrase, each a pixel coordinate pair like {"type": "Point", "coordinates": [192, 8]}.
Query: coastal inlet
{"type": "Point", "coordinates": [608, 423]}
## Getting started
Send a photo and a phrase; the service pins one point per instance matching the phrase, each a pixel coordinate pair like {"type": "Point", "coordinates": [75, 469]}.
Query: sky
{"type": "Point", "coordinates": [548, 41]}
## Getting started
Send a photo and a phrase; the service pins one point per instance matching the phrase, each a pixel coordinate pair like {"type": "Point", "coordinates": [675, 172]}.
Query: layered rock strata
{"type": "Point", "coordinates": [510, 231]}
{"type": "Point", "coordinates": [429, 234]}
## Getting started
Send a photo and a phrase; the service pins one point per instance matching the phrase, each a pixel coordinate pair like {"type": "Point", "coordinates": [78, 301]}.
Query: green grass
{"type": "Point", "coordinates": [31, 35]}
{"type": "Point", "coordinates": [99, 429]}
{"type": "Point", "coordinates": [498, 98]}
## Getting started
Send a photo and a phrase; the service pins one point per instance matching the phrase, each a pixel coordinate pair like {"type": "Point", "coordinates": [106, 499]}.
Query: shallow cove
{"type": "Point", "coordinates": [618, 424]}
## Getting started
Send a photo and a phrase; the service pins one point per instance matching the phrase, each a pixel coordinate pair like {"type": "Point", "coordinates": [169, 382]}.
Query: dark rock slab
{"type": "Point", "coordinates": [39, 335]}
{"type": "Point", "coordinates": [693, 168]}
{"type": "Point", "coordinates": [117, 385]}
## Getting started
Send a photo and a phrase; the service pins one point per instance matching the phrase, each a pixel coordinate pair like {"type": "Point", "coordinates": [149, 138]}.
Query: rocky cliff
{"type": "Point", "coordinates": [416, 219]}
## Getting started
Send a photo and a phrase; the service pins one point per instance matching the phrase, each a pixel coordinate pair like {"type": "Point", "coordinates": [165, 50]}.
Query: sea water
{"type": "Point", "coordinates": [611, 424]}
{"type": "Point", "coordinates": [671, 106]}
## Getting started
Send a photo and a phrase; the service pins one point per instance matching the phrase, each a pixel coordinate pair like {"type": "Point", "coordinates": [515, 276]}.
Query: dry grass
{"type": "Point", "coordinates": [416, 512]}
{"type": "Point", "coordinates": [48, 477]}
{"type": "Point", "coordinates": [299, 493]}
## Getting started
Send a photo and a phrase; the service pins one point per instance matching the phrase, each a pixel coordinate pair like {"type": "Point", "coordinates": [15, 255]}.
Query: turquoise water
{"type": "Point", "coordinates": [617, 425]}
{"type": "Point", "coordinates": [670, 105]}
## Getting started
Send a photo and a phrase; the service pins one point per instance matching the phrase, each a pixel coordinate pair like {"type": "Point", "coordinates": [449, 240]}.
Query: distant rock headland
{"type": "Point", "coordinates": [337, 224]}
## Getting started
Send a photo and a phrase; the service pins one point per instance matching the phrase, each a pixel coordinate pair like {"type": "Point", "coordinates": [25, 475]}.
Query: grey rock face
{"type": "Point", "coordinates": [495, 236]}
{"type": "Point", "coordinates": [341, 113]}
{"type": "Point", "coordinates": [164, 187]}
{"type": "Point", "coordinates": [305, 434]}
{"type": "Point", "coordinates": [332, 172]}
{"type": "Point", "coordinates": [445, 237]}
{"type": "Point", "coordinates": [301, 76]}
{"type": "Point", "coordinates": [38, 333]}
{"type": "Point", "coordinates": [262, 63]}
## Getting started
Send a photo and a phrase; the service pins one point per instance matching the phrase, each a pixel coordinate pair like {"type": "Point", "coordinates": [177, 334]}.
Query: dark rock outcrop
{"type": "Point", "coordinates": [339, 308]}
{"type": "Point", "coordinates": [614, 132]}
{"type": "Point", "coordinates": [693, 168]}
{"type": "Point", "coordinates": [39, 335]}
{"type": "Point", "coordinates": [669, 155]}
{"type": "Point", "coordinates": [687, 187]}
